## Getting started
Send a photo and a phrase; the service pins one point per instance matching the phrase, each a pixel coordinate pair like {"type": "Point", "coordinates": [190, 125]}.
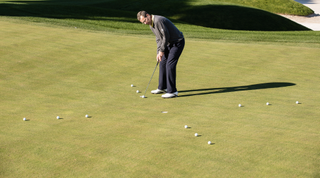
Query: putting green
{"type": "Point", "coordinates": [54, 71]}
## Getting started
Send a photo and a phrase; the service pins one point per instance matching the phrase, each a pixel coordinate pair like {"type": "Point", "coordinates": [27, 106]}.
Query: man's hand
{"type": "Point", "coordinates": [159, 56]}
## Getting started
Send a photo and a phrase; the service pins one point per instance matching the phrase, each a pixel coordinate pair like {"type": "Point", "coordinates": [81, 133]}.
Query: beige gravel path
{"type": "Point", "coordinates": [312, 21]}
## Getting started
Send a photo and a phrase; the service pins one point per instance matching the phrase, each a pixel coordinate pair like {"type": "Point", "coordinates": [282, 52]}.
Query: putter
{"type": "Point", "coordinates": [143, 96]}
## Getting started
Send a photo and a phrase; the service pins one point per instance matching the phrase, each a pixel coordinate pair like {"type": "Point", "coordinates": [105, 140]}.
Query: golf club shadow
{"type": "Point", "coordinates": [207, 91]}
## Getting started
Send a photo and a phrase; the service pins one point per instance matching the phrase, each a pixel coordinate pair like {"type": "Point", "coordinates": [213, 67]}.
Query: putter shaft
{"type": "Point", "coordinates": [151, 78]}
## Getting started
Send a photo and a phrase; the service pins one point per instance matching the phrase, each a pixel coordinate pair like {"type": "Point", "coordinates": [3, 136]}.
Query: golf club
{"type": "Point", "coordinates": [143, 96]}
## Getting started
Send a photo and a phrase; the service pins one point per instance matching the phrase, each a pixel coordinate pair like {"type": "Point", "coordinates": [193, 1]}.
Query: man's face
{"type": "Point", "coordinates": [146, 20]}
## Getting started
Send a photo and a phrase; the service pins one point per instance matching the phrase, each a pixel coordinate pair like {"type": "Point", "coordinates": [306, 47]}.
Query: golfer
{"type": "Point", "coordinates": [170, 44]}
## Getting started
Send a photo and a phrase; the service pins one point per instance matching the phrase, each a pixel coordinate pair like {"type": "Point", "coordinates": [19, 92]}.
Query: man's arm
{"type": "Point", "coordinates": [159, 53]}
{"type": "Point", "coordinates": [163, 42]}
{"type": "Point", "coordinates": [164, 33]}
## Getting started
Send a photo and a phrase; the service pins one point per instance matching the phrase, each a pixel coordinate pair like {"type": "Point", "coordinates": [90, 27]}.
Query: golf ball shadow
{"type": "Point", "coordinates": [88, 116]}
{"type": "Point", "coordinates": [211, 143]}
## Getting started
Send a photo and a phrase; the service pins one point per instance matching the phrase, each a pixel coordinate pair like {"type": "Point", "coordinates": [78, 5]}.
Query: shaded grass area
{"type": "Point", "coordinates": [301, 38]}
{"type": "Point", "coordinates": [48, 71]}
{"type": "Point", "coordinates": [237, 18]}
{"type": "Point", "coordinates": [103, 13]}
{"type": "Point", "coordinates": [171, 7]}
{"type": "Point", "coordinates": [206, 91]}
{"type": "Point", "coordinates": [276, 6]}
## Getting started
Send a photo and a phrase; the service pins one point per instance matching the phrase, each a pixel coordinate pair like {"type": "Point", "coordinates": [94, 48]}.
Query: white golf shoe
{"type": "Point", "coordinates": [170, 95]}
{"type": "Point", "coordinates": [158, 91]}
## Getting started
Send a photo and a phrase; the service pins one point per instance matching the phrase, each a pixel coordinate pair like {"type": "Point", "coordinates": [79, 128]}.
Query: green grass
{"type": "Point", "coordinates": [50, 68]}
{"type": "Point", "coordinates": [48, 71]}
{"type": "Point", "coordinates": [121, 15]}
{"type": "Point", "coordinates": [124, 22]}
{"type": "Point", "coordinates": [275, 6]}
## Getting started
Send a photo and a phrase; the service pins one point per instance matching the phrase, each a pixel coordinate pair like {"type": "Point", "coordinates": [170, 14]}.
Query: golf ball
{"type": "Point", "coordinates": [297, 102]}
{"type": "Point", "coordinates": [138, 91]}
{"type": "Point", "coordinates": [186, 126]}
{"type": "Point", "coordinates": [267, 103]}
{"type": "Point", "coordinates": [58, 117]}
{"type": "Point", "coordinates": [209, 142]}
{"type": "Point", "coordinates": [196, 134]}
{"type": "Point", "coordinates": [24, 119]}
{"type": "Point", "coordinates": [142, 96]}
{"type": "Point", "coordinates": [87, 116]}
{"type": "Point", "coordinates": [131, 85]}
{"type": "Point", "coordinates": [240, 105]}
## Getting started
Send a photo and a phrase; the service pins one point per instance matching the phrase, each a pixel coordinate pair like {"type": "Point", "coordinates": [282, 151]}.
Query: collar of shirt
{"type": "Point", "coordinates": [152, 25]}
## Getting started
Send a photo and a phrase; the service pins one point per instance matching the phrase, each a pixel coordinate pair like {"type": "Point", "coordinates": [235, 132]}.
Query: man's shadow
{"type": "Point", "coordinates": [206, 91]}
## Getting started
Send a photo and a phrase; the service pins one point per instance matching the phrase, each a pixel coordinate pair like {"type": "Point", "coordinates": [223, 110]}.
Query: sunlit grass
{"type": "Point", "coordinates": [67, 72]}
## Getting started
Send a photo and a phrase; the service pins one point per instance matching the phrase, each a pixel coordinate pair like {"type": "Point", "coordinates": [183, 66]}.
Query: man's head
{"type": "Point", "coordinates": [144, 17]}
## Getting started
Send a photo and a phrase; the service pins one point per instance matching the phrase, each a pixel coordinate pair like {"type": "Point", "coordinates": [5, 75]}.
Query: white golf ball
{"type": "Point", "coordinates": [186, 126]}
{"type": "Point", "coordinates": [267, 103]}
{"type": "Point", "coordinates": [142, 96]}
{"type": "Point", "coordinates": [87, 116]}
{"type": "Point", "coordinates": [131, 85]}
{"type": "Point", "coordinates": [196, 134]}
{"type": "Point", "coordinates": [58, 117]}
{"type": "Point", "coordinates": [24, 119]}
{"type": "Point", "coordinates": [297, 102]}
{"type": "Point", "coordinates": [240, 105]}
{"type": "Point", "coordinates": [138, 91]}
{"type": "Point", "coordinates": [209, 142]}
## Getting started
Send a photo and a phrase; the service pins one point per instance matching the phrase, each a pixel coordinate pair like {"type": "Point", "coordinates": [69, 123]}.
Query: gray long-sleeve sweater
{"type": "Point", "coordinates": [166, 32]}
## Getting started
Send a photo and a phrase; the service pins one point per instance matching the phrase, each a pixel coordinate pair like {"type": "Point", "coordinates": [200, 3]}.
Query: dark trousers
{"type": "Point", "coordinates": [168, 65]}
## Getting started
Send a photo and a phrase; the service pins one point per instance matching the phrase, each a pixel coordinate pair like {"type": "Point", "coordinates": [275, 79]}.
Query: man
{"type": "Point", "coordinates": [170, 44]}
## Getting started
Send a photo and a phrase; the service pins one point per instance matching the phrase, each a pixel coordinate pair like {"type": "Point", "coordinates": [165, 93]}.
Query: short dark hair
{"type": "Point", "coordinates": [141, 13]}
